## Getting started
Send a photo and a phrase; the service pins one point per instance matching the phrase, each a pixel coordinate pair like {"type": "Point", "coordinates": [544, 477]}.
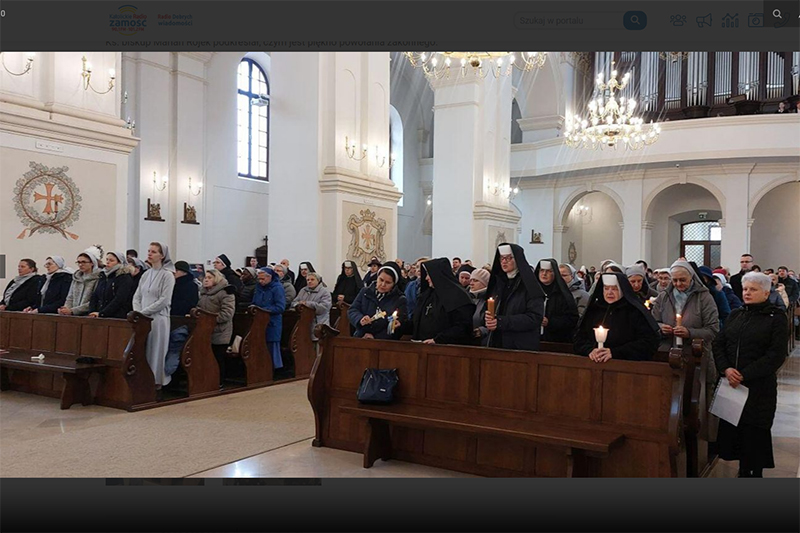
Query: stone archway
{"type": "Point", "coordinates": [776, 225]}
{"type": "Point", "coordinates": [591, 222]}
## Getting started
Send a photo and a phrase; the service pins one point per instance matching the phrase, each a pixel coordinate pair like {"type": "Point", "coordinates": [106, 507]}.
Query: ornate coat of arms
{"type": "Point", "coordinates": [47, 201]}
{"type": "Point", "coordinates": [367, 237]}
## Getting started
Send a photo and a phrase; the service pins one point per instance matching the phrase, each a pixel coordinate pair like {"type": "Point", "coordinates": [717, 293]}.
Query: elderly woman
{"type": "Point", "coordinates": [153, 299]}
{"type": "Point", "coordinates": [83, 284]}
{"type": "Point", "coordinates": [270, 297]}
{"type": "Point", "coordinates": [113, 294]}
{"type": "Point", "coordinates": [285, 278]}
{"type": "Point", "coordinates": [56, 286]}
{"type": "Point", "coordinates": [249, 279]}
{"type": "Point", "coordinates": [749, 351]}
{"type": "Point", "coordinates": [632, 334]}
{"type": "Point", "coordinates": [316, 296]}
{"type": "Point", "coordinates": [348, 284]}
{"type": "Point", "coordinates": [217, 297]}
{"type": "Point", "coordinates": [478, 285]}
{"type": "Point", "coordinates": [575, 283]}
{"type": "Point", "coordinates": [375, 304]}
{"type": "Point", "coordinates": [22, 292]}
{"type": "Point", "coordinates": [637, 276]}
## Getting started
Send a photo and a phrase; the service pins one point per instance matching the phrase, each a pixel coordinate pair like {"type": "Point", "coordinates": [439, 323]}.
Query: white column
{"type": "Point", "coordinates": [735, 230]}
{"type": "Point", "coordinates": [558, 243]}
{"type": "Point", "coordinates": [647, 241]}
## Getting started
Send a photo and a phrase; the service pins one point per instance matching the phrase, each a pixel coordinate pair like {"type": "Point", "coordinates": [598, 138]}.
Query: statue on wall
{"type": "Point", "coordinates": [60, 199]}
{"type": "Point", "coordinates": [367, 233]}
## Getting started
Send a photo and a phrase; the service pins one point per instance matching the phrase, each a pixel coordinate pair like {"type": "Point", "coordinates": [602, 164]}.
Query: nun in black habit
{"type": "Point", "coordinates": [300, 282]}
{"type": "Point", "coordinates": [518, 301]}
{"type": "Point", "coordinates": [560, 309]}
{"type": "Point", "coordinates": [444, 310]}
{"type": "Point", "coordinates": [632, 332]}
{"type": "Point", "coordinates": [347, 284]}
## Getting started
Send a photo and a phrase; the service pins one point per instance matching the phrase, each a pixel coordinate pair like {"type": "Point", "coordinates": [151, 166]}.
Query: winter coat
{"type": "Point", "coordinates": [289, 291]}
{"type": "Point", "coordinates": [319, 300]}
{"type": "Point", "coordinates": [369, 278]}
{"type": "Point", "coordinates": [79, 297]}
{"type": "Point", "coordinates": [562, 316]}
{"type": "Point", "coordinates": [113, 294]}
{"type": "Point", "coordinates": [233, 279]}
{"type": "Point", "coordinates": [27, 295]}
{"type": "Point", "coordinates": [776, 299]}
{"type": "Point", "coordinates": [520, 319]}
{"type": "Point", "coordinates": [792, 288]}
{"type": "Point", "coordinates": [759, 335]}
{"type": "Point", "coordinates": [699, 316]}
{"type": "Point", "coordinates": [56, 294]}
{"type": "Point", "coordinates": [733, 301]}
{"type": "Point", "coordinates": [220, 300]}
{"type": "Point", "coordinates": [478, 318]}
{"type": "Point", "coordinates": [246, 294]}
{"type": "Point", "coordinates": [630, 335]}
{"type": "Point", "coordinates": [723, 307]}
{"type": "Point", "coordinates": [366, 304]}
{"type": "Point", "coordinates": [411, 293]}
{"type": "Point", "coordinates": [185, 296]}
{"type": "Point", "coordinates": [736, 284]}
{"type": "Point", "coordinates": [272, 298]}
{"type": "Point", "coordinates": [580, 295]}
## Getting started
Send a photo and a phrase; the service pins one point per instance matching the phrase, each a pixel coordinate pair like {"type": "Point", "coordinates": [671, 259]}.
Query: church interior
{"type": "Point", "coordinates": [330, 159]}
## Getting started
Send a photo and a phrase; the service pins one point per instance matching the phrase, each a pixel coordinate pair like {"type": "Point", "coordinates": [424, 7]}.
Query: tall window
{"type": "Point", "coordinates": [253, 113]}
{"type": "Point", "coordinates": [701, 242]}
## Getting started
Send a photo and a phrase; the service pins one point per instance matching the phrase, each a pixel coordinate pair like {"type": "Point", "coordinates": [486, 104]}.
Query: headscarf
{"type": "Point", "coordinates": [682, 297]}
{"type": "Point", "coordinates": [559, 282]}
{"type": "Point", "coordinates": [90, 255]}
{"type": "Point", "coordinates": [141, 264]}
{"type": "Point", "coordinates": [15, 284]}
{"type": "Point", "coordinates": [464, 268]}
{"type": "Point", "coordinates": [721, 278]}
{"type": "Point", "coordinates": [393, 269]}
{"type": "Point", "coordinates": [225, 260]}
{"type": "Point", "coordinates": [300, 281]}
{"type": "Point", "coordinates": [628, 295]}
{"type": "Point", "coordinates": [272, 273]}
{"type": "Point", "coordinates": [530, 281]}
{"type": "Point", "coordinates": [108, 271]}
{"type": "Point", "coordinates": [342, 277]}
{"type": "Point", "coordinates": [166, 263]}
{"type": "Point", "coordinates": [59, 261]}
{"type": "Point", "coordinates": [450, 293]}
{"type": "Point", "coordinates": [253, 272]}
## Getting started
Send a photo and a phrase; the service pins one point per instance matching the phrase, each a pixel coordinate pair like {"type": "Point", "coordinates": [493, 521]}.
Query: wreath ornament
{"type": "Point", "coordinates": [46, 200]}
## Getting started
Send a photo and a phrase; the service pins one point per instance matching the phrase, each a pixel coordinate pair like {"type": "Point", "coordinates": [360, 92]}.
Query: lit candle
{"type": "Point", "coordinates": [394, 321]}
{"type": "Point", "coordinates": [678, 323]}
{"type": "Point", "coordinates": [647, 304]}
{"type": "Point", "coordinates": [600, 334]}
{"type": "Point", "coordinates": [490, 306]}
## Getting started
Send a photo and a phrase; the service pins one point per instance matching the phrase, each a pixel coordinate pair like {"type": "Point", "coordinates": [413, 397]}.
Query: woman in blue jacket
{"type": "Point", "coordinates": [270, 296]}
{"type": "Point", "coordinates": [383, 295]}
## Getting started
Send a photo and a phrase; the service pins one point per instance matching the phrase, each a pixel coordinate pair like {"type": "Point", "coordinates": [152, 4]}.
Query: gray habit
{"type": "Point", "coordinates": [153, 299]}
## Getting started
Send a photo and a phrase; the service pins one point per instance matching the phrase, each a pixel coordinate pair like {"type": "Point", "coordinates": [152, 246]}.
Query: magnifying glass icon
{"type": "Point", "coordinates": [776, 13]}
{"type": "Point", "coordinates": [635, 18]}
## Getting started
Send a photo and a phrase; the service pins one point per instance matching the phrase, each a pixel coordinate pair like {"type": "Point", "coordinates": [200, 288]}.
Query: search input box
{"type": "Point", "coordinates": [584, 20]}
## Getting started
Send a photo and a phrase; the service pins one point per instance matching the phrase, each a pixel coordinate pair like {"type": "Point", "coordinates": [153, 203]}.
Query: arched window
{"type": "Point", "coordinates": [253, 115]}
{"type": "Point", "coordinates": [396, 149]}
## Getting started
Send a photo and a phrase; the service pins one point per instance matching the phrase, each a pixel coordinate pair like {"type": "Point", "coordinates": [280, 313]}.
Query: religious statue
{"type": "Point", "coordinates": [536, 238]}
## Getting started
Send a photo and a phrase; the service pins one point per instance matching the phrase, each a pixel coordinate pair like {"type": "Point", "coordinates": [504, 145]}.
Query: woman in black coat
{"type": "Point", "coordinates": [223, 265]}
{"type": "Point", "coordinates": [22, 292]}
{"type": "Point", "coordinates": [185, 293]}
{"type": "Point", "coordinates": [382, 295]}
{"type": "Point", "coordinates": [348, 284]}
{"type": "Point", "coordinates": [444, 310]}
{"type": "Point", "coordinates": [113, 295]}
{"type": "Point", "coordinates": [632, 332]}
{"type": "Point", "coordinates": [749, 351]}
{"type": "Point", "coordinates": [519, 301]}
{"type": "Point", "coordinates": [55, 288]}
{"type": "Point", "coordinates": [560, 309]}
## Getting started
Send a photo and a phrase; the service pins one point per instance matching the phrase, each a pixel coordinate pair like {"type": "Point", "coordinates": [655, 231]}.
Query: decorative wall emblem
{"type": "Point", "coordinates": [46, 200]}
{"type": "Point", "coordinates": [572, 253]}
{"type": "Point", "coordinates": [367, 234]}
{"type": "Point", "coordinates": [500, 239]}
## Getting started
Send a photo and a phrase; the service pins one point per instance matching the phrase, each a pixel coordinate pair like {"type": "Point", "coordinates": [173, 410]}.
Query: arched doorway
{"type": "Point", "coordinates": [593, 230]}
{"type": "Point", "coordinates": [675, 208]}
{"type": "Point", "coordinates": [774, 234]}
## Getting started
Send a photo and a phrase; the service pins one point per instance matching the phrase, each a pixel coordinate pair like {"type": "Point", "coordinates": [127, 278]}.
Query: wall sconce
{"type": "Point", "coordinates": [429, 202]}
{"type": "Point", "coordinates": [350, 148]}
{"type": "Point", "coordinates": [505, 191]}
{"type": "Point", "coordinates": [199, 188]}
{"type": "Point", "coordinates": [381, 161]}
{"type": "Point", "coordinates": [86, 74]}
{"type": "Point", "coordinates": [30, 56]}
{"type": "Point", "coordinates": [584, 212]}
{"type": "Point", "coordinates": [162, 185]}
{"type": "Point", "coordinates": [130, 124]}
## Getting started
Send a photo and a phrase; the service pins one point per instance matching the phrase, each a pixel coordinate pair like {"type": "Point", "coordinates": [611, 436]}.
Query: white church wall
{"type": "Point", "coordinates": [597, 234]}
{"type": "Point", "coordinates": [775, 237]}
{"type": "Point", "coordinates": [536, 206]}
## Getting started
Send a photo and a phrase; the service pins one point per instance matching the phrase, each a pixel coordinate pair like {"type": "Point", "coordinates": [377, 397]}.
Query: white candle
{"type": "Point", "coordinates": [678, 323]}
{"type": "Point", "coordinates": [600, 334]}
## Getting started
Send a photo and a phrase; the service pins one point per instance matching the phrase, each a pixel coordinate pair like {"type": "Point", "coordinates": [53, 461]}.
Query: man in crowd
{"type": "Point", "coordinates": [456, 265]}
{"type": "Point", "coordinates": [285, 263]}
{"type": "Point", "coordinates": [746, 265]}
{"type": "Point", "coordinates": [792, 289]}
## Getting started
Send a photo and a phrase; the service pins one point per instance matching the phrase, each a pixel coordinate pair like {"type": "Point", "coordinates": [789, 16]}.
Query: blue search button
{"type": "Point", "coordinates": [634, 20]}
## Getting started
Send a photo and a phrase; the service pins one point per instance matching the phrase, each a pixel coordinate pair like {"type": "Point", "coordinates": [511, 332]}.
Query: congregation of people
{"type": "Point", "coordinates": [509, 304]}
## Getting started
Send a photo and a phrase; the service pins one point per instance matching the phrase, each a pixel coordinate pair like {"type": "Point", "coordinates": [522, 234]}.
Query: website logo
{"type": "Point", "coordinates": [128, 22]}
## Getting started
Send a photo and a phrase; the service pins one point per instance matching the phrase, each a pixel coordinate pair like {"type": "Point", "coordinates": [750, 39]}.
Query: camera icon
{"type": "Point", "coordinates": [755, 20]}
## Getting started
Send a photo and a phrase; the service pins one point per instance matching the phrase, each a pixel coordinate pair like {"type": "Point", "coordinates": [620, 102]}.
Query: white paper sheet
{"type": "Point", "coordinates": [728, 403]}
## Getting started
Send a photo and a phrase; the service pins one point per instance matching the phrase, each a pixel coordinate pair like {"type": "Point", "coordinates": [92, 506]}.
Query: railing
{"type": "Point", "coordinates": [701, 84]}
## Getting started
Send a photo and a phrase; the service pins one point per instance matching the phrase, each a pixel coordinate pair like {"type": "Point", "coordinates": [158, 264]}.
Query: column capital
{"type": "Point", "coordinates": [560, 229]}
{"type": "Point", "coordinates": [485, 211]}
{"type": "Point", "coordinates": [750, 222]}
{"type": "Point", "coordinates": [621, 225]}
{"type": "Point", "coordinates": [646, 224]}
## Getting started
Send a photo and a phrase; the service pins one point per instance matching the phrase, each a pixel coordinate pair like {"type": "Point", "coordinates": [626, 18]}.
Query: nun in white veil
{"type": "Point", "coordinates": [153, 299]}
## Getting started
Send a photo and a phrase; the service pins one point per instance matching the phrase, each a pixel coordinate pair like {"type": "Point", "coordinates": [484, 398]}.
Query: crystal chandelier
{"type": "Point", "coordinates": [438, 65]}
{"type": "Point", "coordinates": [610, 120]}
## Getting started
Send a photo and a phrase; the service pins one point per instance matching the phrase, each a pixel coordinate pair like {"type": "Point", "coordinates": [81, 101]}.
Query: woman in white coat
{"type": "Point", "coordinates": [153, 299]}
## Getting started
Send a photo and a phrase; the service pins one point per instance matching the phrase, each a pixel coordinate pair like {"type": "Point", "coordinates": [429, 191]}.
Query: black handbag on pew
{"type": "Point", "coordinates": [377, 385]}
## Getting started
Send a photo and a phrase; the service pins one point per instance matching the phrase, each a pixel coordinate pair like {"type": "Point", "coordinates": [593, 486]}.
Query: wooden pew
{"type": "Point", "coordinates": [290, 318]}
{"type": "Point", "coordinates": [253, 351]}
{"type": "Point", "coordinates": [197, 358]}
{"type": "Point", "coordinates": [501, 412]}
{"type": "Point", "coordinates": [343, 325]}
{"type": "Point", "coordinates": [120, 376]}
{"type": "Point", "coordinates": [302, 347]}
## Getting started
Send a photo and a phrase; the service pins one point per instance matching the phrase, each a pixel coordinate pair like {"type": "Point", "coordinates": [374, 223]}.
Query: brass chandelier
{"type": "Point", "coordinates": [438, 65]}
{"type": "Point", "coordinates": [610, 121]}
